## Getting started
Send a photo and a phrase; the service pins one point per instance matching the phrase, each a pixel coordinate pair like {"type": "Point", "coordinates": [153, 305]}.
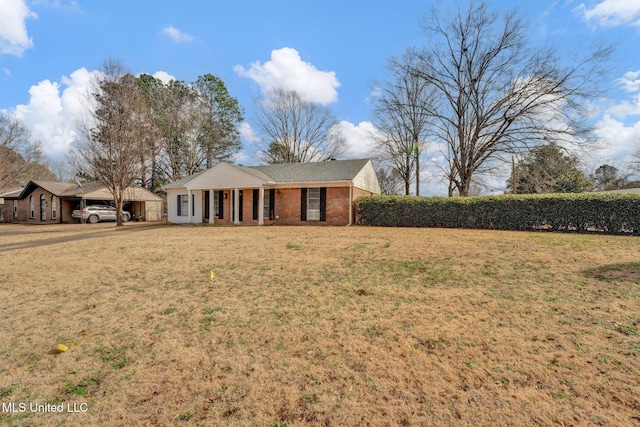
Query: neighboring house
{"type": "Point", "coordinates": [38, 202]}
{"type": "Point", "coordinates": [7, 205]}
{"type": "Point", "coordinates": [44, 202]}
{"type": "Point", "coordinates": [288, 193]}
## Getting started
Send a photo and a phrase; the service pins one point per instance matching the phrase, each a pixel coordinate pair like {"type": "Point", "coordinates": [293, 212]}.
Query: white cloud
{"type": "Point", "coordinates": [626, 108]}
{"type": "Point", "coordinates": [631, 81]}
{"type": "Point", "coordinates": [54, 110]}
{"type": "Point", "coordinates": [163, 76]}
{"type": "Point", "coordinates": [620, 141]}
{"type": "Point", "coordinates": [359, 139]}
{"type": "Point", "coordinates": [288, 71]}
{"type": "Point", "coordinates": [14, 39]}
{"type": "Point", "coordinates": [247, 132]}
{"type": "Point", "coordinates": [613, 12]}
{"type": "Point", "coordinates": [177, 35]}
{"type": "Point", "coordinates": [68, 6]}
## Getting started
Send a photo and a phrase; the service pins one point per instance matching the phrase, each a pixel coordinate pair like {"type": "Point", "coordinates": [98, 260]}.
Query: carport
{"type": "Point", "coordinates": [142, 204]}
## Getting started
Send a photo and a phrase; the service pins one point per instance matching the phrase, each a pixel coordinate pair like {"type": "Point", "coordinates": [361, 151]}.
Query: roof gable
{"type": "Point", "coordinates": [56, 188]}
{"type": "Point", "coordinates": [226, 175]}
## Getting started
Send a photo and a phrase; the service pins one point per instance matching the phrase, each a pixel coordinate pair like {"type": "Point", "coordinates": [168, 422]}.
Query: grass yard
{"type": "Point", "coordinates": [335, 326]}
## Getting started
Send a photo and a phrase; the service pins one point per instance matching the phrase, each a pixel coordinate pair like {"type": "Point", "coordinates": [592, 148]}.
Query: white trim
{"type": "Point", "coordinates": [236, 204]}
{"type": "Point", "coordinates": [261, 205]}
{"type": "Point", "coordinates": [350, 204]}
{"type": "Point", "coordinates": [212, 206]}
{"type": "Point", "coordinates": [313, 184]}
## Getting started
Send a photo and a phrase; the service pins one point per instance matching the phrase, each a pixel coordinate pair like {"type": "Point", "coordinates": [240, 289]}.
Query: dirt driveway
{"type": "Point", "coordinates": [20, 236]}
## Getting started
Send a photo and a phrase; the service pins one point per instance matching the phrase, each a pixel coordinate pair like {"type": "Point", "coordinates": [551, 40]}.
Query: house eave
{"type": "Point", "coordinates": [314, 184]}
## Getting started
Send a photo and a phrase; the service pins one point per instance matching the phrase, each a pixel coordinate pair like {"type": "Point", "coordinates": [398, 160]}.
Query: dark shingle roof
{"type": "Point", "coordinates": [57, 188]}
{"type": "Point", "coordinates": [336, 170]}
{"type": "Point", "coordinates": [11, 194]}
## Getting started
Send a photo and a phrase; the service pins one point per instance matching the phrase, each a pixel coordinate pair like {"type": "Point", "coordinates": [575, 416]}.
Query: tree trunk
{"type": "Point", "coordinates": [417, 172]}
{"type": "Point", "coordinates": [117, 198]}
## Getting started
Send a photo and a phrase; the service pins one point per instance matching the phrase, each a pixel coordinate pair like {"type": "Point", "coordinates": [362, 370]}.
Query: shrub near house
{"type": "Point", "coordinates": [609, 213]}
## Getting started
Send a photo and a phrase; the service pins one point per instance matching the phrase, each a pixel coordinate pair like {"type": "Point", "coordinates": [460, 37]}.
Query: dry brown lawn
{"type": "Point", "coordinates": [335, 326]}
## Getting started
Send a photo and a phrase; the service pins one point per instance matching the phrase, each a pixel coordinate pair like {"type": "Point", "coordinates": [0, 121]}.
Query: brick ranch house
{"type": "Point", "coordinates": [45, 202]}
{"type": "Point", "coordinates": [290, 193]}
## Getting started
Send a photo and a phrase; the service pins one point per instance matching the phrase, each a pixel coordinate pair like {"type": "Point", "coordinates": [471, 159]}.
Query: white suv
{"type": "Point", "coordinates": [97, 213]}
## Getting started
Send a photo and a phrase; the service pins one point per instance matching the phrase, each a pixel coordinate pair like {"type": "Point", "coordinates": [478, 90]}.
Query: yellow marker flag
{"type": "Point", "coordinates": [213, 275]}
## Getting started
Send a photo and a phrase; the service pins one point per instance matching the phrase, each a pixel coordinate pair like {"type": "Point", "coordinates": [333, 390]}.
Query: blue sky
{"type": "Point", "coordinates": [334, 52]}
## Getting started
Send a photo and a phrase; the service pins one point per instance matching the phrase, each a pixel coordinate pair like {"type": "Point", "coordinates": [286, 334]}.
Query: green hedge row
{"type": "Point", "coordinates": [610, 213]}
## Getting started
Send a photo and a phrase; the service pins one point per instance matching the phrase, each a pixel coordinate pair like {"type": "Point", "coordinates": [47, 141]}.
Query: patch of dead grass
{"type": "Point", "coordinates": [323, 326]}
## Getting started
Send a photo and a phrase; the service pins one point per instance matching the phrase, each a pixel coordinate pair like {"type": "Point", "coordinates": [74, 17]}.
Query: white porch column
{"type": "Point", "coordinates": [212, 206]}
{"type": "Point", "coordinates": [236, 204]}
{"type": "Point", "coordinates": [261, 206]}
{"type": "Point", "coordinates": [190, 197]}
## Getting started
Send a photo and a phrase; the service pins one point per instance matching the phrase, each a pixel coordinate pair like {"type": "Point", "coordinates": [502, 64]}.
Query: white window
{"type": "Point", "coordinates": [216, 202]}
{"type": "Point", "coordinates": [266, 198]}
{"type": "Point", "coordinates": [32, 208]}
{"type": "Point", "coordinates": [313, 204]}
{"type": "Point", "coordinates": [54, 207]}
{"type": "Point", "coordinates": [43, 208]}
{"type": "Point", "coordinates": [183, 205]}
{"type": "Point", "coordinates": [15, 209]}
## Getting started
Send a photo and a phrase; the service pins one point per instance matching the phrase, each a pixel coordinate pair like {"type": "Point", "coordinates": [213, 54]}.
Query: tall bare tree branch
{"type": "Point", "coordinates": [496, 95]}
{"type": "Point", "coordinates": [111, 147]}
{"type": "Point", "coordinates": [295, 130]}
{"type": "Point", "coordinates": [17, 152]}
{"type": "Point", "coordinates": [401, 118]}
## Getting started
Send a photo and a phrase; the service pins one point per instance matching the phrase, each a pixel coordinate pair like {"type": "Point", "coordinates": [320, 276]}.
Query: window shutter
{"type": "Point", "coordinates": [323, 203]}
{"type": "Point", "coordinates": [179, 205]}
{"type": "Point", "coordinates": [193, 205]}
{"type": "Point", "coordinates": [221, 202]}
{"type": "Point", "coordinates": [256, 204]}
{"type": "Point", "coordinates": [272, 203]}
{"type": "Point", "coordinates": [303, 204]}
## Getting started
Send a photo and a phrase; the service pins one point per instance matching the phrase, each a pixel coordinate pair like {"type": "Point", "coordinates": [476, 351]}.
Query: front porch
{"type": "Point", "coordinates": [253, 206]}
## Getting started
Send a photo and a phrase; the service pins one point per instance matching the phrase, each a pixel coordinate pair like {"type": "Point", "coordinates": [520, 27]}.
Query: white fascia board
{"type": "Point", "coordinates": [313, 184]}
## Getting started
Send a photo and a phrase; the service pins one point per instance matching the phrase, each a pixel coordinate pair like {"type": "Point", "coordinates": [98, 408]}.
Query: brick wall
{"type": "Point", "coordinates": [287, 209]}
{"type": "Point", "coordinates": [24, 208]}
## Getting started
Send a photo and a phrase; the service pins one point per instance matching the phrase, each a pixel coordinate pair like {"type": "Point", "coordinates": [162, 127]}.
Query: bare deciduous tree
{"type": "Point", "coordinates": [401, 118]}
{"type": "Point", "coordinates": [295, 130]}
{"type": "Point", "coordinates": [111, 148]}
{"type": "Point", "coordinates": [497, 96]}
{"type": "Point", "coordinates": [17, 152]}
{"type": "Point", "coordinates": [390, 182]}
